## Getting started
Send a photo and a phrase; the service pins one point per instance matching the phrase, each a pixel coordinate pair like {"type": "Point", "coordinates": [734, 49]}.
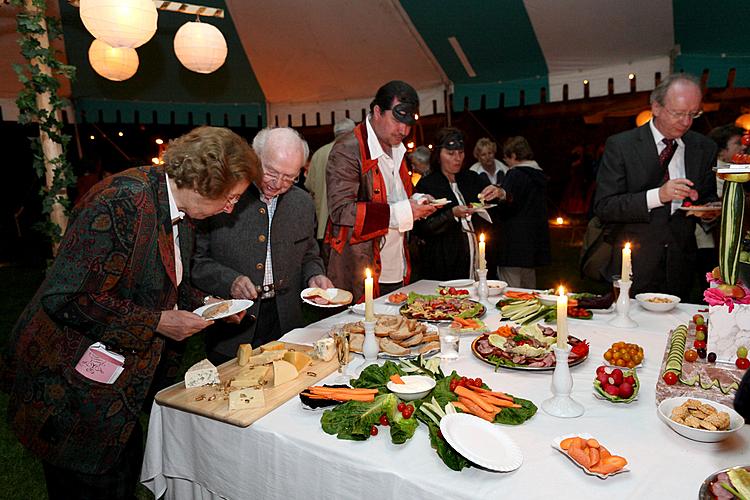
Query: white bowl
{"type": "Point", "coordinates": [415, 387]}
{"type": "Point", "coordinates": [547, 299]}
{"type": "Point", "coordinates": [735, 420]}
{"type": "Point", "coordinates": [643, 300]}
{"type": "Point", "coordinates": [494, 287]}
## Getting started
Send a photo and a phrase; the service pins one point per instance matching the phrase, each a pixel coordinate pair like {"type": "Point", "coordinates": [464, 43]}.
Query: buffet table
{"type": "Point", "coordinates": [287, 455]}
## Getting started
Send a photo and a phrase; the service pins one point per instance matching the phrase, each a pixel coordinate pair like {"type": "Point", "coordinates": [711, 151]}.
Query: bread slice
{"type": "Point", "coordinates": [356, 341]}
{"type": "Point", "coordinates": [341, 298]}
{"type": "Point", "coordinates": [430, 346]}
{"type": "Point", "coordinates": [412, 341]}
{"type": "Point", "coordinates": [387, 345]}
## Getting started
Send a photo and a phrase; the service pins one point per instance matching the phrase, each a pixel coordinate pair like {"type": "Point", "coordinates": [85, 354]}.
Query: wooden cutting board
{"type": "Point", "coordinates": [199, 400]}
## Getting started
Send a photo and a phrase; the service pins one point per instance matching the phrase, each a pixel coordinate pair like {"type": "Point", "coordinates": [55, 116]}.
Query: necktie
{"type": "Point", "coordinates": [666, 155]}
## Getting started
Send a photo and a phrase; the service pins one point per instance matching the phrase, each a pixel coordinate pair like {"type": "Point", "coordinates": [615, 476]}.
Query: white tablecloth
{"type": "Point", "coordinates": [287, 455]}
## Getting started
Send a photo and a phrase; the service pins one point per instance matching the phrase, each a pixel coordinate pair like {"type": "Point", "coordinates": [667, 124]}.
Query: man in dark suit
{"type": "Point", "coordinates": [266, 251]}
{"type": "Point", "coordinates": [645, 175]}
{"type": "Point", "coordinates": [118, 278]}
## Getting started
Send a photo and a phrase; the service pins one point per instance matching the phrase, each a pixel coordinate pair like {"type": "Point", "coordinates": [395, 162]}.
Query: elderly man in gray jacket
{"type": "Point", "coordinates": [265, 251]}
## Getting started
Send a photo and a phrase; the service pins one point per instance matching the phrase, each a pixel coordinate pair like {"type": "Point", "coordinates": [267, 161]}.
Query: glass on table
{"type": "Point", "coordinates": [616, 285]}
{"type": "Point", "coordinates": [449, 342]}
{"type": "Point", "coordinates": [341, 341]}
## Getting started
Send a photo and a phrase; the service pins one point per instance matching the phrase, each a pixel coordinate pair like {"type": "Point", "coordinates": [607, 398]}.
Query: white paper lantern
{"type": "Point", "coordinates": [120, 23]}
{"type": "Point", "coordinates": [114, 64]}
{"type": "Point", "coordinates": [200, 47]}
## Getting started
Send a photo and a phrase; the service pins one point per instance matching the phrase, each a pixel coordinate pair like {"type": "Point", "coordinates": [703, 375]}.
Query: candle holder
{"type": "Point", "coordinates": [483, 291]}
{"type": "Point", "coordinates": [370, 347]}
{"type": "Point", "coordinates": [623, 319]}
{"type": "Point", "coordinates": [561, 404]}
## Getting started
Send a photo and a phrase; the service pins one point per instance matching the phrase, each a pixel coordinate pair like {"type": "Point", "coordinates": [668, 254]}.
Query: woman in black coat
{"type": "Point", "coordinates": [450, 240]}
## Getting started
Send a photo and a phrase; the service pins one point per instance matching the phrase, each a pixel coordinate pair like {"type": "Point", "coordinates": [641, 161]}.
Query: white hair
{"type": "Point", "coordinates": [272, 139]}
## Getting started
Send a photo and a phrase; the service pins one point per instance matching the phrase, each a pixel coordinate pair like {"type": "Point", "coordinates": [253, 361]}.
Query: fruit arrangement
{"type": "Point", "coordinates": [624, 355]}
{"type": "Point", "coordinates": [592, 456]}
{"type": "Point", "coordinates": [673, 367]}
{"type": "Point", "coordinates": [616, 385]}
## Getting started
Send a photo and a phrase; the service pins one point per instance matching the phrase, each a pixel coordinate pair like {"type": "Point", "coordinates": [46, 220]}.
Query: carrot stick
{"type": "Point", "coordinates": [396, 379]}
{"type": "Point", "coordinates": [340, 390]}
{"type": "Point", "coordinates": [497, 394]}
{"type": "Point", "coordinates": [460, 406]}
{"type": "Point", "coordinates": [364, 397]}
{"type": "Point", "coordinates": [476, 410]}
{"type": "Point", "coordinates": [471, 396]}
{"type": "Point", "coordinates": [500, 403]}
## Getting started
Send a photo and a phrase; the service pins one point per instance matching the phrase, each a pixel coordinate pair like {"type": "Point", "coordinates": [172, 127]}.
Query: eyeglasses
{"type": "Point", "coordinates": [283, 179]}
{"type": "Point", "coordinates": [687, 114]}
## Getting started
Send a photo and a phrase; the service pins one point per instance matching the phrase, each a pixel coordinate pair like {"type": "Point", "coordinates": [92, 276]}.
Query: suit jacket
{"type": "Point", "coordinates": [232, 245]}
{"type": "Point", "coordinates": [112, 277]}
{"type": "Point", "coordinates": [629, 168]}
{"type": "Point", "coordinates": [445, 255]}
{"type": "Point", "coordinates": [359, 213]}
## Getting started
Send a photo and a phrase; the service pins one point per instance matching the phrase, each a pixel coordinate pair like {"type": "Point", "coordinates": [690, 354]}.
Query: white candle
{"type": "Point", "coordinates": [482, 263]}
{"type": "Point", "coordinates": [369, 312]}
{"type": "Point", "coordinates": [627, 266]}
{"type": "Point", "coordinates": [562, 319]}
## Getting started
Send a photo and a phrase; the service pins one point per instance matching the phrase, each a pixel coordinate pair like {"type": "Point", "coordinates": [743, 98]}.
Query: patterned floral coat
{"type": "Point", "coordinates": [113, 276]}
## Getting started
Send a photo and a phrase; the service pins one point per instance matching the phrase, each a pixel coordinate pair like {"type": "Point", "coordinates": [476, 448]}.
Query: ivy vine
{"type": "Point", "coordinates": [30, 23]}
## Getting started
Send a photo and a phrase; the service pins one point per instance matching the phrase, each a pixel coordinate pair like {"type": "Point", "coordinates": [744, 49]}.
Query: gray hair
{"type": "Point", "coordinates": [282, 137]}
{"type": "Point", "coordinates": [660, 92]}
{"type": "Point", "coordinates": [421, 154]}
{"type": "Point", "coordinates": [343, 126]}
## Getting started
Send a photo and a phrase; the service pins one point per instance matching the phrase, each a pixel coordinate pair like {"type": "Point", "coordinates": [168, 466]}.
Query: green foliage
{"type": "Point", "coordinates": [30, 24]}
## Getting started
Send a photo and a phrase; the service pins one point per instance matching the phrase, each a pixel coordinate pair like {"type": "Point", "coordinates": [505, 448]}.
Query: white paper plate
{"type": "Point", "coordinates": [331, 293]}
{"type": "Point", "coordinates": [608, 310]}
{"type": "Point", "coordinates": [235, 306]}
{"type": "Point", "coordinates": [556, 445]}
{"type": "Point", "coordinates": [484, 207]}
{"type": "Point", "coordinates": [439, 202]}
{"type": "Point", "coordinates": [359, 309]}
{"type": "Point", "coordinates": [457, 283]}
{"type": "Point", "coordinates": [481, 442]}
{"type": "Point", "coordinates": [701, 208]}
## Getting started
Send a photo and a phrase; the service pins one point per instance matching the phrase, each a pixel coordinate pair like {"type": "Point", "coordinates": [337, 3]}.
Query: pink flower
{"type": "Point", "coordinates": [710, 279]}
{"type": "Point", "coordinates": [714, 297]}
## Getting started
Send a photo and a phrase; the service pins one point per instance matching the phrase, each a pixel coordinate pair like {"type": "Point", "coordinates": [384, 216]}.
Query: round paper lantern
{"type": "Point", "coordinates": [113, 64]}
{"type": "Point", "coordinates": [120, 23]}
{"type": "Point", "coordinates": [200, 47]}
{"type": "Point", "coordinates": [743, 121]}
{"type": "Point", "coordinates": [643, 117]}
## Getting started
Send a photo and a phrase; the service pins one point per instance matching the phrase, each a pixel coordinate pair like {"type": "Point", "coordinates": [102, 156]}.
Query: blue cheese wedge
{"type": "Point", "coordinates": [202, 373]}
{"type": "Point", "coordinates": [245, 399]}
{"type": "Point", "coordinates": [324, 349]}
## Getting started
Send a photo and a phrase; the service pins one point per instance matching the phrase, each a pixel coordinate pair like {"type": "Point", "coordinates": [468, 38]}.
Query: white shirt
{"type": "Point", "coordinates": [392, 257]}
{"type": "Point", "coordinates": [676, 169]}
{"type": "Point", "coordinates": [499, 167]}
{"type": "Point", "coordinates": [176, 215]}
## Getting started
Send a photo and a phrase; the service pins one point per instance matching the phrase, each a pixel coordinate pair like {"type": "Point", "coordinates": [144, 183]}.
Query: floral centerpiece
{"type": "Point", "coordinates": [727, 296]}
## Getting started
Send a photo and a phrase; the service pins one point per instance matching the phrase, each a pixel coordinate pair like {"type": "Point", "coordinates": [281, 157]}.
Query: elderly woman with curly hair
{"type": "Point", "coordinates": [117, 290]}
{"type": "Point", "coordinates": [450, 234]}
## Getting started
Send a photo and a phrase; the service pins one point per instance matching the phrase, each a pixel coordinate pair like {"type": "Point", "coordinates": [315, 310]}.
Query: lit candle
{"type": "Point", "coordinates": [627, 266]}
{"type": "Point", "coordinates": [482, 263]}
{"type": "Point", "coordinates": [560, 221]}
{"type": "Point", "coordinates": [562, 319]}
{"type": "Point", "coordinates": [369, 313]}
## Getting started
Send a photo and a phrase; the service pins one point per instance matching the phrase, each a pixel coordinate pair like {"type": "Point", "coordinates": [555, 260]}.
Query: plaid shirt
{"type": "Point", "coordinates": [268, 277]}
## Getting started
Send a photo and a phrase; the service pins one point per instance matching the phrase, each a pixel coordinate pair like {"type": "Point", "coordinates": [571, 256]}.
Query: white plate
{"type": "Point", "coordinates": [608, 310]}
{"type": "Point", "coordinates": [481, 442]}
{"type": "Point", "coordinates": [331, 292]}
{"type": "Point", "coordinates": [556, 445]}
{"type": "Point", "coordinates": [701, 208]}
{"type": "Point", "coordinates": [665, 411]}
{"type": "Point", "coordinates": [547, 299]}
{"type": "Point", "coordinates": [494, 287]}
{"type": "Point", "coordinates": [359, 309]}
{"type": "Point", "coordinates": [643, 300]}
{"type": "Point", "coordinates": [457, 283]}
{"type": "Point", "coordinates": [440, 202]}
{"type": "Point", "coordinates": [484, 207]}
{"type": "Point", "coordinates": [235, 306]}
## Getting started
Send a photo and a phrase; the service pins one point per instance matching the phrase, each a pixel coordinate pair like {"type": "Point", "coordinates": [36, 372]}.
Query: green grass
{"type": "Point", "coordinates": [21, 474]}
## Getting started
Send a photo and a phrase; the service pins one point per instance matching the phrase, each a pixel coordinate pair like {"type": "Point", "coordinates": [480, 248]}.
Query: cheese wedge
{"type": "Point", "coordinates": [265, 358]}
{"type": "Point", "coordinates": [273, 346]}
{"type": "Point", "coordinates": [202, 373]}
{"type": "Point", "coordinates": [283, 372]}
{"type": "Point", "coordinates": [257, 375]}
{"type": "Point", "coordinates": [300, 360]}
{"type": "Point", "coordinates": [245, 399]}
{"type": "Point", "coordinates": [324, 349]}
{"type": "Point", "coordinates": [244, 352]}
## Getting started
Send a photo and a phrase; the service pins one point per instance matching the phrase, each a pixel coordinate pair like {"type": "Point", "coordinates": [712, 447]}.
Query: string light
{"type": "Point", "coordinates": [159, 142]}
{"type": "Point", "coordinates": [120, 133]}
{"type": "Point", "coordinates": [155, 160]}
{"type": "Point", "coordinates": [631, 76]}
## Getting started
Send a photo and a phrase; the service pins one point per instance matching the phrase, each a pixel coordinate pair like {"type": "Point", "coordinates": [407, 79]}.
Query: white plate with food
{"type": "Point", "coordinates": [328, 297]}
{"type": "Point", "coordinates": [704, 434]}
{"type": "Point", "coordinates": [657, 302]}
{"type": "Point", "coordinates": [397, 337]}
{"type": "Point", "coordinates": [218, 310]}
{"type": "Point", "coordinates": [439, 202]}
{"type": "Point", "coordinates": [608, 310]}
{"type": "Point", "coordinates": [709, 207]}
{"type": "Point", "coordinates": [714, 486]}
{"type": "Point", "coordinates": [414, 387]}
{"type": "Point", "coordinates": [556, 445]}
{"type": "Point", "coordinates": [359, 309]}
{"type": "Point", "coordinates": [481, 442]}
{"type": "Point", "coordinates": [457, 283]}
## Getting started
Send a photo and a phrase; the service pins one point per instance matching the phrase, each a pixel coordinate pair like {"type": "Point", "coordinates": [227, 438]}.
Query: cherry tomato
{"type": "Point", "coordinates": [384, 420]}
{"type": "Point", "coordinates": [463, 381]}
{"type": "Point", "coordinates": [401, 406]}
{"type": "Point", "coordinates": [746, 140]}
{"type": "Point", "coordinates": [670, 378]}
{"type": "Point", "coordinates": [373, 431]}
{"type": "Point", "coordinates": [691, 355]}
{"type": "Point", "coordinates": [452, 387]}
{"type": "Point", "coordinates": [698, 319]}
{"type": "Point", "coordinates": [699, 344]}
{"type": "Point", "coordinates": [478, 382]}
{"type": "Point", "coordinates": [742, 363]}
{"type": "Point", "coordinates": [687, 203]}
{"type": "Point", "coordinates": [701, 328]}
{"type": "Point", "coordinates": [581, 349]}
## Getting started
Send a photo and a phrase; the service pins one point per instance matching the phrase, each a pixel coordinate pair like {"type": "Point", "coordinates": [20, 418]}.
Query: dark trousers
{"type": "Point", "coordinates": [118, 483]}
{"type": "Point", "coordinates": [267, 328]}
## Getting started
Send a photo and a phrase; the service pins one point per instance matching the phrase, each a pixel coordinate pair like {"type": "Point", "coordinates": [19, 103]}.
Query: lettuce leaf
{"type": "Point", "coordinates": [354, 419]}
{"type": "Point", "coordinates": [402, 429]}
{"type": "Point", "coordinates": [376, 376]}
{"type": "Point", "coordinates": [448, 455]}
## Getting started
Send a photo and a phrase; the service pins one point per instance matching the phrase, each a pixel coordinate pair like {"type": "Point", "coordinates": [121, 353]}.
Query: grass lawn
{"type": "Point", "coordinates": [21, 474]}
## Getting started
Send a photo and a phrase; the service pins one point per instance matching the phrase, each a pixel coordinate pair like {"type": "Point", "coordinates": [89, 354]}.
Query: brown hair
{"type": "Point", "coordinates": [211, 160]}
{"type": "Point", "coordinates": [519, 146]}
{"type": "Point", "coordinates": [484, 142]}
